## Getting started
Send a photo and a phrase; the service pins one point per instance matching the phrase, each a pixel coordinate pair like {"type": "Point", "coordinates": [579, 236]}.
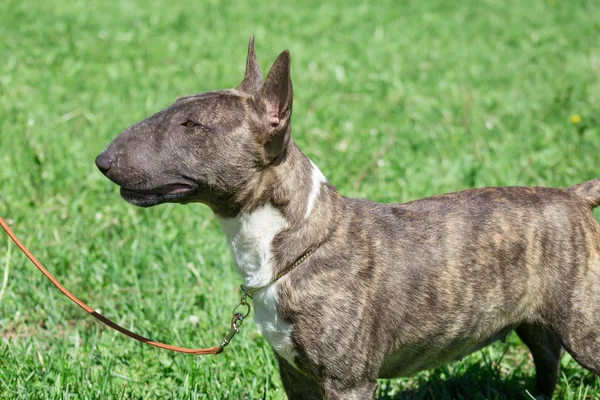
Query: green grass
{"type": "Point", "coordinates": [394, 100]}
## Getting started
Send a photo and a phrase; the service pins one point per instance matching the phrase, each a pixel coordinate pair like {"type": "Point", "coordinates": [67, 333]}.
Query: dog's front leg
{"type": "Point", "coordinates": [296, 384]}
{"type": "Point", "coordinates": [299, 386]}
{"type": "Point", "coordinates": [350, 389]}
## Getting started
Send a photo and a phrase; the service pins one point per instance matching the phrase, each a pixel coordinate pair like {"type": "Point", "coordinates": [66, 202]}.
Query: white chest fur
{"type": "Point", "coordinates": [250, 237]}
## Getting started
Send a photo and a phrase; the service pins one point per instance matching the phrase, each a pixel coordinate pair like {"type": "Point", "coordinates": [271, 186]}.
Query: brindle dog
{"type": "Point", "coordinates": [391, 289]}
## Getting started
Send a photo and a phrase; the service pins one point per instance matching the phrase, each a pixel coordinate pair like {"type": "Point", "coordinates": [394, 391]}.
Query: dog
{"type": "Point", "coordinates": [348, 290]}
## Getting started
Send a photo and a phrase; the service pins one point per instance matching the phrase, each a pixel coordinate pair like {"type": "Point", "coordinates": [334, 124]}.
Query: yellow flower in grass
{"type": "Point", "coordinates": [575, 118]}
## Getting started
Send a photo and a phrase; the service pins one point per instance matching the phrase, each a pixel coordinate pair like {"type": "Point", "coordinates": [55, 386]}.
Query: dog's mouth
{"type": "Point", "coordinates": [172, 193]}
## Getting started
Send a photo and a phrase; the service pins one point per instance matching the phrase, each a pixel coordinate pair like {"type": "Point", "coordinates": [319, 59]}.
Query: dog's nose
{"type": "Point", "coordinates": [104, 162]}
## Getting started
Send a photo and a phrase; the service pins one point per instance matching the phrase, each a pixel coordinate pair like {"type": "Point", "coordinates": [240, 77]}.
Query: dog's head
{"type": "Point", "coordinates": [207, 147]}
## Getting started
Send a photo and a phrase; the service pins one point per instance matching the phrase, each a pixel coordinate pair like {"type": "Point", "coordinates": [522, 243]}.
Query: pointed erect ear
{"type": "Point", "coordinates": [276, 97]}
{"type": "Point", "coordinates": [277, 91]}
{"type": "Point", "coordinates": [253, 78]}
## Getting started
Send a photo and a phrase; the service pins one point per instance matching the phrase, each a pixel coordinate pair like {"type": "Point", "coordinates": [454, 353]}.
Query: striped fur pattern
{"type": "Point", "coordinates": [391, 289]}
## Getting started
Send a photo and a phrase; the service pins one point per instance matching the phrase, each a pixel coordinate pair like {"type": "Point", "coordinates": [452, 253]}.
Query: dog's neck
{"type": "Point", "coordinates": [287, 215]}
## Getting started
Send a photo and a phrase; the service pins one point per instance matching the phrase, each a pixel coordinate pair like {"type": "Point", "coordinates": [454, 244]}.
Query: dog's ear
{"type": "Point", "coordinates": [275, 104]}
{"type": "Point", "coordinates": [253, 79]}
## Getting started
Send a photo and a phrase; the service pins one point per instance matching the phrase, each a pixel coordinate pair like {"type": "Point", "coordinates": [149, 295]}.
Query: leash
{"type": "Point", "coordinates": [236, 321]}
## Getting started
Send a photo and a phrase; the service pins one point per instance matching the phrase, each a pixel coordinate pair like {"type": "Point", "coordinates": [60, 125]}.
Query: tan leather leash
{"type": "Point", "coordinates": [236, 321]}
{"type": "Point", "coordinates": [100, 317]}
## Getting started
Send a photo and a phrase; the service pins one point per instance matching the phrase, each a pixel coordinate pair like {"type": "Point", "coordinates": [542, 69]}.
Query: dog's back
{"type": "Point", "coordinates": [455, 271]}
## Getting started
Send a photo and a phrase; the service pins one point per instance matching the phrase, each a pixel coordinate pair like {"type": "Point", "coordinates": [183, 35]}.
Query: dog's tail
{"type": "Point", "coordinates": [589, 191]}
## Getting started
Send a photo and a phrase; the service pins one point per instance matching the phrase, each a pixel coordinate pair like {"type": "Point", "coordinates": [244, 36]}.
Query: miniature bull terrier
{"type": "Point", "coordinates": [382, 290]}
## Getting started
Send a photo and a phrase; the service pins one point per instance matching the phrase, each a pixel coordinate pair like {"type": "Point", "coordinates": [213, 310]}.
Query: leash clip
{"type": "Point", "coordinates": [236, 323]}
{"type": "Point", "coordinates": [237, 320]}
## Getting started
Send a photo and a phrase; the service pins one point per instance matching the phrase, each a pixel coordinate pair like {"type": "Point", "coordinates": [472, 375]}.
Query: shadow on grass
{"type": "Point", "coordinates": [474, 381]}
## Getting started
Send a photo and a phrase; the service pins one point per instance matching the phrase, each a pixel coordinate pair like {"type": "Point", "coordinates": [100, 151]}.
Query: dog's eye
{"type": "Point", "coordinates": [190, 124]}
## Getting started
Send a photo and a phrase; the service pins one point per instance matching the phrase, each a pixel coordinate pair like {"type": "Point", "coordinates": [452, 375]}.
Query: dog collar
{"type": "Point", "coordinates": [249, 290]}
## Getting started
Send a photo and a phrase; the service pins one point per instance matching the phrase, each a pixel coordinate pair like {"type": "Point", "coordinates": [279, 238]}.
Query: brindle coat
{"type": "Point", "coordinates": [391, 289]}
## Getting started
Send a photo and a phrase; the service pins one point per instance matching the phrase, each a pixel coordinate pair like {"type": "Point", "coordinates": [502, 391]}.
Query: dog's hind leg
{"type": "Point", "coordinates": [577, 318]}
{"type": "Point", "coordinates": [580, 331]}
{"type": "Point", "coordinates": [546, 348]}
{"type": "Point", "coordinates": [582, 341]}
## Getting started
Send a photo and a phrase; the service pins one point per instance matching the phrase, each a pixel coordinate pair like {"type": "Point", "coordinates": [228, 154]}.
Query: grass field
{"type": "Point", "coordinates": [394, 100]}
